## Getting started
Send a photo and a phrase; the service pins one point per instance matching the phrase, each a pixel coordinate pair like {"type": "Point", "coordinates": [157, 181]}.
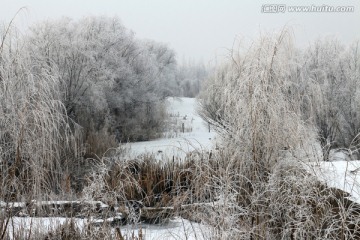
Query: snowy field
{"type": "Point", "coordinates": [176, 143]}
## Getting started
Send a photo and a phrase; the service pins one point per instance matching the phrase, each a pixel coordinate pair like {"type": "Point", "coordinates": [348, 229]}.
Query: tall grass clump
{"type": "Point", "coordinates": [36, 140]}
{"type": "Point", "coordinates": [259, 120]}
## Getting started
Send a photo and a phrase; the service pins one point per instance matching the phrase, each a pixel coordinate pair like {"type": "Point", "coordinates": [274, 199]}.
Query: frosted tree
{"type": "Point", "coordinates": [190, 76]}
{"type": "Point", "coordinates": [164, 67]}
{"type": "Point", "coordinates": [329, 74]}
{"type": "Point", "coordinates": [108, 76]}
{"type": "Point", "coordinates": [349, 99]}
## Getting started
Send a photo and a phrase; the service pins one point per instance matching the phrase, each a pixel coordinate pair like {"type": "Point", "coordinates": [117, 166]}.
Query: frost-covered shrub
{"type": "Point", "coordinates": [37, 144]}
{"type": "Point", "coordinates": [256, 102]}
{"type": "Point", "coordinates": [247, 99]}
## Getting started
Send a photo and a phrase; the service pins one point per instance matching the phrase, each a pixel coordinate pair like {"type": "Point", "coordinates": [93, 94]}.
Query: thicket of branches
{"type": "Point", "coordinates": [329, 76]}
{"type": "Point", "coordinates": [189, 78]}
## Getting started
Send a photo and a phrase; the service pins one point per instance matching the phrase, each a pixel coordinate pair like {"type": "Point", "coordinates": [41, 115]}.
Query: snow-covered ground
{"type": "Point", "coordinates": [341, 174]}
{"type": "Point", "coordinates": [175, 143]}
{"type": "Point", "coordinates": [177, 228]}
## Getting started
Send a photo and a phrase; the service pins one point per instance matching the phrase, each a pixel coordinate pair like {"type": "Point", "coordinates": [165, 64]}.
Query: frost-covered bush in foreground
{"type": "Point", "coordinates": [259, 120]}
{"type": "Point", "coordinates": [37, 144]}
{"type": "Point", "coordinates": [256, 102]}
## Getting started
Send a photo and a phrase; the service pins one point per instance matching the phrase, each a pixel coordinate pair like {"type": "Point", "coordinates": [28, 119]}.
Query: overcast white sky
{"type": "Point", "coordinates": [198, 29]}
